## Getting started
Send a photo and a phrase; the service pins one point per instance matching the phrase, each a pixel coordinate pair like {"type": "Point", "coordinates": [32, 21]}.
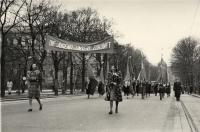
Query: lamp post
{"type": "Point", "coordinates": [19, 79]}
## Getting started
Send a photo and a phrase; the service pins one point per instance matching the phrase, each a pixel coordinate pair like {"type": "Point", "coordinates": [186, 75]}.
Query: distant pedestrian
{"type": "Point", "coordinates": [33, 88]}
{"type": "Point", "coordinates": [9, 86]}
{"type": "Point", "coordinates": [88, 87]}
{"type": "Point", "coordinates": [138, 87]}
{"type": "Point", "coordinates": [114, 92]}
{"type": "Point", "coordinates": [143, 87]}
{"type": "Point", "coordinates": [149, 88]}
{"type": "Point", "coordinates": [191, 89]}
{"type": "Point", "coordinates": [126, 88]}
{"type": "Point", "coordinates": [101, 90]}
{"type": "Point", "coordinates": [156, 88]}
{"type": "Point", "coordinates": [177, 89]}
{"type": "Point", "coordinates": [161, 88]}
{"type": "Point", "coordinates": [134, 87]}
{"type": "Point", "coordinates": [168, 89]}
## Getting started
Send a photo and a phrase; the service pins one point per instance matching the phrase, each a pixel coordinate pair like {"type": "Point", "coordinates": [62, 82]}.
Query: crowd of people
{"type": "Point", "coordinates": [144, 87]}
{"type": "Point", "coordinates": [112, 87]}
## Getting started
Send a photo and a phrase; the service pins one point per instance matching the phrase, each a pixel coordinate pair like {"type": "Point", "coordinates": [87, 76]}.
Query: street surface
{"type": "Point", "coordinates": [79, 114]}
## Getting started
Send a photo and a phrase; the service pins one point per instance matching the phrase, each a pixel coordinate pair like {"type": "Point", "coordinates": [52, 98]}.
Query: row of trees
{"type": "Point", "coordinates": [24, 25]}
{"type": "Point", "coordinates": [185, 60]}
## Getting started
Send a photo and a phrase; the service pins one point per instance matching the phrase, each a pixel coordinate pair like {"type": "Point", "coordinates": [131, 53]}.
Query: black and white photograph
{"type": "Point", "coordinates": [100, 65]}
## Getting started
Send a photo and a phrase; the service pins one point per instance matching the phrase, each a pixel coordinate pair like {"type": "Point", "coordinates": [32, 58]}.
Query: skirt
{"type": "Point", "coordinates": [113, 95]}
{"type": "Point", "coordinates": [33, 90]}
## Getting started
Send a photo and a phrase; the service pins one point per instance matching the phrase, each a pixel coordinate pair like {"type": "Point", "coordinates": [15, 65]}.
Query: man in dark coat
{"type": "Point", "coordinates": [177, 89]}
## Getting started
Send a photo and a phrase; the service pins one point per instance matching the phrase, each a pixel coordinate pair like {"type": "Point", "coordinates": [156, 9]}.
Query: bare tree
{"type": "Point", "coordinates": [9, 12]}
{"type": "Point", "coordinates": [182, 58]}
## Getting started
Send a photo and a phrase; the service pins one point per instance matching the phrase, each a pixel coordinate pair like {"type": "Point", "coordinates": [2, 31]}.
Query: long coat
{"type": "Point", "coordinates": [137, 88]}
{"type": "Point", "coordinates": [32, 78]}
{"type": "Point", "coordinates": [117, 79]}
{"type": "Point", "coordinates": [177, 89]}
{"type": "Point", "coordinates": [101, 88]}
{"type": "Point", "coordinates": [126, 90]}
{"type": "Point", "coordinates": [168, 89]}
{"type": "Point", "coordinates": [156, 88]}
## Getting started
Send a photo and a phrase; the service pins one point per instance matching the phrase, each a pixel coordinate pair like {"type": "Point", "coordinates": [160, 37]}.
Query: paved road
{"type": "Point", "coordinates": [79, 114]}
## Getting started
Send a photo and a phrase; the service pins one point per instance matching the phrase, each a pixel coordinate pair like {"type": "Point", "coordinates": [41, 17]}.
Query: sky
{"type": "Point", "coordinates": [153, 26]}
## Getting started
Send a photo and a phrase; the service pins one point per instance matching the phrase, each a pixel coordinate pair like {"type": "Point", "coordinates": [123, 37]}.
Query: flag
{"type": "Point", "coordinates": [93, 80]}
{"type": "Point", "coordinates": [162, 67]}
{"type": "Point", "coordinates": [139, 76]}
{"type": "Point", "coordinates": [128, 76]}
{"type": "Point", "coordinates": [143, 71]}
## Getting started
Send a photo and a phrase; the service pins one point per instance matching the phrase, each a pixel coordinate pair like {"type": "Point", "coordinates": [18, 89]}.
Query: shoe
{"type": "Point", "coordinates": [40, 107]}
{"type": "Point", "coordinates": [110, 112]}
{"type": "Point", "coordinates": [29, 110]}
{"type": "Point", "coordinates": [116, 111]}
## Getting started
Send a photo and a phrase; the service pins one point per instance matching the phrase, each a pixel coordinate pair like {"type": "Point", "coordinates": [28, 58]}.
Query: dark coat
{"type": "Point", "coordinates": [88, 87]}
{"type": "Point", "coordinates": [161, 88]}
{"type": "Point", "coordinates": [143, 87]}
{"type": "Point", "coordinates": [134, 85]}
{"type": "Point", "coordinates": [148, 88]}
{"type": "Point", "coordinates": [168, 89]}
{"type": "Point", "coordinates": [114, 79]}
{"type": "Point", "coordinates": [177, 89]}
{"type": "Point", "coordinates": [101, 88]}
{"type": "Point", "coordinates": [137, 88]}
{"type": "Point", "coordinates": [156, 88]}
{"type": "Point", "coordinates": [126, 90]}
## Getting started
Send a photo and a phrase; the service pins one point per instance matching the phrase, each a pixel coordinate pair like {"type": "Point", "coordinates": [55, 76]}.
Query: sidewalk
{"type": "Point", "coordinates": [46, 93]}
{"type": "Point", "coordinates": [192, 105]}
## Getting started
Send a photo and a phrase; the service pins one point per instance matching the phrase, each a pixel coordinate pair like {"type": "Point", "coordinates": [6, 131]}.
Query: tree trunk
{"type": "Point", "coordinates": [83, 73]}
{"type": "Point", "coordinates": [71, 75]}
{"type": "Point", "coordinates": [3, 66]}
{"type": "Point", "coordinates": [56, 79]}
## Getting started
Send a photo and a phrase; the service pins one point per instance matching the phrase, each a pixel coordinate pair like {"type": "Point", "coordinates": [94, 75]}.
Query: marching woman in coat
{"type": "Point", "coordinates": [33, 88]}
{"type": "Point", "coordinates": [101, 90]}
{"type": "Point", "coordinates": [137, 87]}
{"type": "Point", "coordinates": [168, 89]}
{"type": "Point", "coordinates": [143, 87]}
{"type": "Point", "coordinates": [161, 89]}
{"type": "Point", "coordinates": [126, 88]}
{"type": "Point", "coordinates": [114, 92]}
{"type": "Point", "coordinates": [88, 87]}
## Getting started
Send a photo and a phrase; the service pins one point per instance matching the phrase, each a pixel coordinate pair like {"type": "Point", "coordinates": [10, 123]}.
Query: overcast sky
{"type": "Point", "coordinates": [149, 25]}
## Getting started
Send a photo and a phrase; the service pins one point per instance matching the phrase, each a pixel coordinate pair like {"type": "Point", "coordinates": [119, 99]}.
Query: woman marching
{"type": "Point", "coordinates": [88, 87]}
{"type": "Point", "coordinates": [143, 87]}
{"type": "Point", "coordinates": [168, 89]}
{"type": "Point", "coordinates": [137, 87]}
{"type": "Point", "coordinates": [161, 89]}
{"type": "Point", "coordinates": [126, 88]}
{"type": "Point", "coordinates": [114, 92]}
{"type": "Point", "coordinates": [33, 88]}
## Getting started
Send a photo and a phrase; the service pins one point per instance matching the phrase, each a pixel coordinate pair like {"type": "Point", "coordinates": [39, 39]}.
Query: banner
{"type": "Point", "coordinates": [56, 44]}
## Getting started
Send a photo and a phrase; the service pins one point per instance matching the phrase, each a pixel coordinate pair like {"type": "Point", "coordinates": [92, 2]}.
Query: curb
{"type": "Point", "coordinates": [198, 96]}
{"type": "Point", "coordinates": [46, 94]}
